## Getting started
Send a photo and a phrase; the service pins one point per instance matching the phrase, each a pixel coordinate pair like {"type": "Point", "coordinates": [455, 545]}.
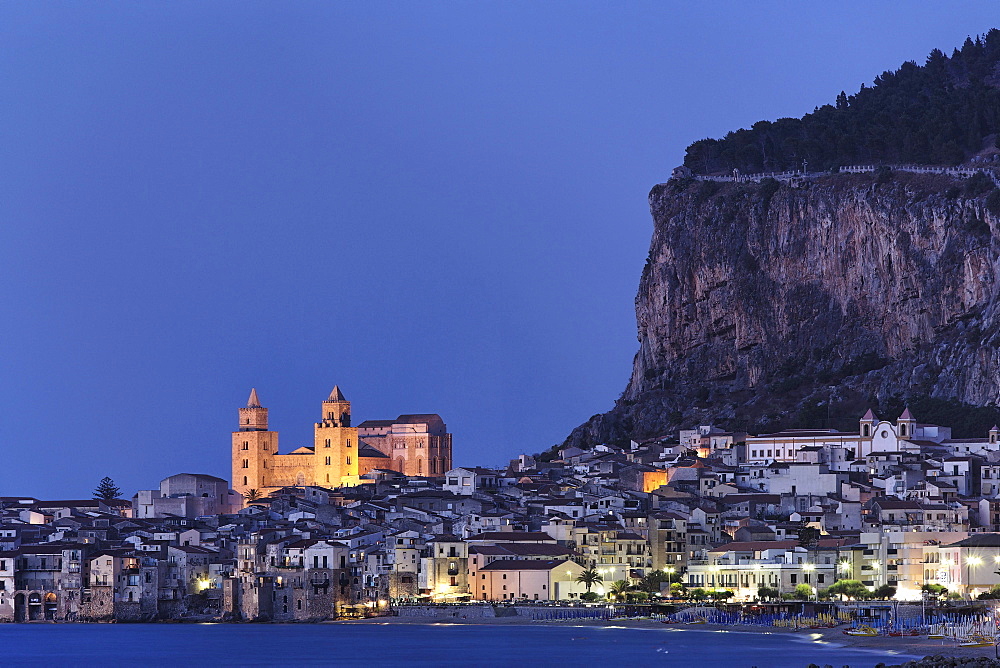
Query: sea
{"type": "Point", "coordinates": [431, 645]}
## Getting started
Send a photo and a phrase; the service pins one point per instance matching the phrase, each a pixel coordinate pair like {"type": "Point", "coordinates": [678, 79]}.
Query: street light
{"type": "Point", "coordinates": [969, 563]}
{"type": "Point", "coordinates": [809, 568]}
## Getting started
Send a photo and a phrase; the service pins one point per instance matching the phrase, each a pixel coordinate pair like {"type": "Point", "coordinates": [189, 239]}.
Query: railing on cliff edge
{"type": "Point", "coordinates": [736, 177]}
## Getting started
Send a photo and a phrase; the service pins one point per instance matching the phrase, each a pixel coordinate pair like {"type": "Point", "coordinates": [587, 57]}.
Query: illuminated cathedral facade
{"type": "Point", "coordinates": [414, 445]}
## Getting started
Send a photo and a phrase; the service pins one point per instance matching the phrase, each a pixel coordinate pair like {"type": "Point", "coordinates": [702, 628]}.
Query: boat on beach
{"type": "Point", "coordinates": [977, 640]}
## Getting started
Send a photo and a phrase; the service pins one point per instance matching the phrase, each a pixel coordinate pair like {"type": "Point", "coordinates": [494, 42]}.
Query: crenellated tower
{"type": "Point", "coordinates": [254, 447]}
{"type": "Point", "coordinates": [335, 443]}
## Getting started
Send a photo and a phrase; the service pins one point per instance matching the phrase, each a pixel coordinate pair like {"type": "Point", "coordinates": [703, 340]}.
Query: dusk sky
{"type": "Point", "coordinates": [441, 207]}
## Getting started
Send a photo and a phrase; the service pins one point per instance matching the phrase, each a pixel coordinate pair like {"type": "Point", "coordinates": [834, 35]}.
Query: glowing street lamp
{"type": "Point", "coordinates": [969, 563]}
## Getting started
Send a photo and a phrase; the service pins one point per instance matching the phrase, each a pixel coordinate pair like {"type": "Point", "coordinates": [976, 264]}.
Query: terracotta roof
{"type": "Point", "coordinates": [512, 536]}
{"type": "Point", "coordinates": [524, 565]}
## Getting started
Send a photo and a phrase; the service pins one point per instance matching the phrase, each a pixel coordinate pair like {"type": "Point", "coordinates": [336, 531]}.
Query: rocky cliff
{"type": "Point", "coordinates": [762, 302]}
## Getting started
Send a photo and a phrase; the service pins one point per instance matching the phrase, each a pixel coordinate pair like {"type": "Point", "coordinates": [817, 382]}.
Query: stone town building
{"type": "Point", "coordinates": [187, 495]}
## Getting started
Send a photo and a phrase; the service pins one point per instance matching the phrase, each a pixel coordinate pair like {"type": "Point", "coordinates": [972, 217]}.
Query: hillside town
{"type": "Point", "coordinates": [897, 504]}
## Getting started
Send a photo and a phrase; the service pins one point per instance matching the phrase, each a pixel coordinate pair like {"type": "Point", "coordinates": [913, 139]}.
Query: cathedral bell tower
{"type": "Point", "coordinates": [906, 425]}
{"type": "Point", "coordinates": [336, 409]}
{"type": "Point", "coordinates": [253, 448]}
{"type": "Point", "coordinates": [335, 444]}
{"type": "Point", "coordinates": [253, 416]}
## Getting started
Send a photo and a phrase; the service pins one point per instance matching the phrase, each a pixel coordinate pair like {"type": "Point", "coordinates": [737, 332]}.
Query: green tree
{"type": "Point", "coordinates": [991, 595]}
{"type": "Point", "coordinates": [252, 495]}
{"type": "Point", "coordinates": [808, 536]}
{"type": "Point", "coordinates": [885, 592]}
{"type": "Point", "coordinates": [934, 590]}
{"type": "Point", "coordinates": [698, 594]}
{"type": "Point", "coordinates": [589, 578]}
{"type": "Point", "coordinates": [590, 596]}
{"type": "Point", "coordinates": [653, 581]}
{"type": "Point", "coordinates": [851, 589]}
{"type": "Point", "coordinates": [107, 490]}
{"type": "Point", "coordinates": [765, 593]}
{"type": "Point", "coordinates": [619, 589]}
{"type": "Point", "coordinates": [803, 592]}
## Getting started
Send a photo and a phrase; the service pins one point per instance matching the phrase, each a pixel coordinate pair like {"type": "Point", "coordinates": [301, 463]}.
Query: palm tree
{"type": "Point", "coordinates": [589, 578]}
{"type": "Point", "coordinates": [620, 589]}
{"type": "Point", "coordinates": [252, 495]}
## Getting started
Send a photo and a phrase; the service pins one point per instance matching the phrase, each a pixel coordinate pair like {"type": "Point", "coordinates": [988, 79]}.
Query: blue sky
{"type": "Point", "coordinates": [441, 207]}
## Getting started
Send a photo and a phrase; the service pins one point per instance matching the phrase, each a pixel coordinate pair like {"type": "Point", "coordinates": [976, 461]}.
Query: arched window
{"type": "Point", "coordinates": [865, 431]}
{"type": "Point", "coordinates": [902, 429]}
{"type": "Point", "coordinates": [244, 480]}
{"type": "Point", "coordinates": [246, 463]}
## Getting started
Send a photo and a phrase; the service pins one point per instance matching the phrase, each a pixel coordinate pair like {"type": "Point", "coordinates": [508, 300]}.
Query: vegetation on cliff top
{"type": "Point", "coordinates": [942, 112]}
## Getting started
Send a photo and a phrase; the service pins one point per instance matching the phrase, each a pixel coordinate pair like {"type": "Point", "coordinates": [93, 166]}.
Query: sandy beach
{"type": "Point", "coordinates": [907, 648]}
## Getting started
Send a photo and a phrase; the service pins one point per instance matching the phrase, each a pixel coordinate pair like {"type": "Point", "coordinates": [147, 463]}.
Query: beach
{"type": "Point", "coordinates": [907, 647]}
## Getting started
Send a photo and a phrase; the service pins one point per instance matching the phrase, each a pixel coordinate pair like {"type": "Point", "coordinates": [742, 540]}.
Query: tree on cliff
{"type": "Point", "coordinates": [106, 490]}
{"type": "Point", "coordinates": [938, 113]}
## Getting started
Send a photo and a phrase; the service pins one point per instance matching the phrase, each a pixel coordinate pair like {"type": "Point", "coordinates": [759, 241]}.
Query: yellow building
{"type": "Point", "coordinates": [332, 461]}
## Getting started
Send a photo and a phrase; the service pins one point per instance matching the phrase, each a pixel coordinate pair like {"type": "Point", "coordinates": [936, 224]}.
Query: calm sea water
{"type": "Point", "coordinates": [363, 645]}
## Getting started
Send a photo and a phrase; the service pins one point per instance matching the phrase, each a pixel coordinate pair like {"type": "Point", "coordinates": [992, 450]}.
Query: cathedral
{"type": "Point", "coordinates": [414, 445]}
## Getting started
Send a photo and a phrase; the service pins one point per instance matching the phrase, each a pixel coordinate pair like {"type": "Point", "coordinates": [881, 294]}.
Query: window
{"type": "Point", "coordinates": [794, 578]}
{"type": "Point", "coordinates": [348, 460]}
{"type": "Point", "coordinates": [244, 480]}
{"type": "Point", "coordinates": [246, 445]}
{"type": "Point", "coordinates": [327, 461]}
{"type": "Point", "coordinates": [246, 463]}
{"type": "Point", "coordinates": [327, 444]}
{"type": "Point", "coordinates": [348, 442]}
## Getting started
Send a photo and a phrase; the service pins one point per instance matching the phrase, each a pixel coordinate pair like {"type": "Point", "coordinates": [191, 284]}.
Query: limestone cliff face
{"type": "Point", "coordinates": [757, 299]}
